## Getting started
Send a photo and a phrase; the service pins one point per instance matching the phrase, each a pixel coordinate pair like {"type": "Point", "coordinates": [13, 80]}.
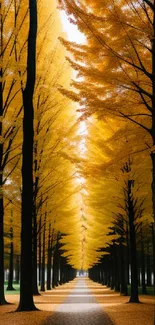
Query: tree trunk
{"type": "Point", "coordinates": [55, 281]}
{"type": "Point", "coordinates": [10, 280]}
{"type": "Point", "coordinates": [117, 270]}
{"type": "Point", "coordinates": [40, 251]}
{"type": "Point", "coordinates": [105, 263]}
{"type": "Point", "coordinates": [49, 259]}
{"type": "Point", "coordinates": [34, 273]}
{"type": "Point", "coordinates": [123, 270]}
{"type": "Point", "coordinates": [26, 291]}
{"type": "Point", "coordinates": [153, 245]}
{"type": "Point", "coordinates": [133, 250]}
{"type": "Point", "coordinates": [62, 268]}
{"type": "Point", "coordinates": [108, 270]}
{"type": "Point", "coordinates": [2, 297]}
{"type": "Point", "coordinates": [148, 266]}
{"type": "Point", "coordinates": [127, 256]}
{"type": "Point", "coordinates": [17, 269]}
{"type": "Point", "coordinates": [43, 259]}
{"type": "Point", "coordinates": [35, 191]}
{"type": "Point", "coordinates": [112, 271]}
{"type": "Point", "coordinates": [144, 291]}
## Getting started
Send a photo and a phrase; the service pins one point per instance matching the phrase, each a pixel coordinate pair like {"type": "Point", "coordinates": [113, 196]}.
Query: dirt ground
{"type": "Point", "coordinates": [47, 303]}
{"type": "Point", "coordinates": [116, 306]}
{"type": "Point", "coordinates": [120, 311]}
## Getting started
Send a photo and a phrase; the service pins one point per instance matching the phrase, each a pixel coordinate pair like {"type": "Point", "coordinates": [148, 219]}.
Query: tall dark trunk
{"type": "Point", "coordinates": [108, 270]}
{"type": "Point", "coordinates": [39, 251]}
{"type": "Point", "coordinates": [17, 269]}
{"type": "Point", "coordinates": [153, 245]}
{"type": "Point", "coordinates": [117, 270]}
{"type": "Point", "coordinates": [101, 274]}
{"type": "Point", "coordinates": [2, 297]}
{"type": "Point", "coordinates": [148, 266]}
{"type": "Point", "coordinates": [112, 271]}
{"type": "Point", "coordinates": [105, 263]}
{"type": "Point", "coordinates": [49, 258]}
{"type": "Point", "coordinates": [153, 199]}
{"type": "Point", "coordinates": [55, 281]}
{"type": "Point", "coordinates": [133, 250]}
{"type": "Point", "coordinates": [26, 290]}
{"type": "Point", "coordinates": [10, 280]}
{"type": "Point", "coordinates": [34, 250]}
{"type": "Point", "coordinates": [35, 192]}
{"type": "Point", "coordinates": [144, 291]}
{"type": "Point", "coordinates": [62, 270]}
{"type": "Point", "coordinates": [139, 273]}
{"type": "Point", "coordinates": [123, 270]}
{"type": "Point", "coordinates": [43, 259]}
{"type": "Point", "coordinates": [127, 256]}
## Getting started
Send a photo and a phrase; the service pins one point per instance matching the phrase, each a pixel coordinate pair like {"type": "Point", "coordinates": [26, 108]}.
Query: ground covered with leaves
{"type": "Point", "coordinates": [114, 305]}
{"type": "Point", "coordinates": [120, 311]}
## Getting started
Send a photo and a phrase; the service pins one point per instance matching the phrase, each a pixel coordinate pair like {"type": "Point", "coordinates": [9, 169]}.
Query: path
{"type": "Point", "coordinates": [79, 308]}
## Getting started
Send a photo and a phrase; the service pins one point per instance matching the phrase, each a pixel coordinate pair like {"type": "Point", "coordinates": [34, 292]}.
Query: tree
{"type": "Point", "coordinates": [119, 70]}
{"type": "Point", "coordinates": [10, 95]}
{"type": "Point", "coordinates": [26, 297]}
{"type": "Point", "coordinates": [10, 280]}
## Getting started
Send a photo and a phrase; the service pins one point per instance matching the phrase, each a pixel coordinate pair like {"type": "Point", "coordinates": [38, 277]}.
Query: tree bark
{"type": "Point", "coordinates": [35, 192]}
{"type": "Point", "coordinates": [133, 251]}
{"type": "Point", "coordinates": [2, 297]}
{"type": "Point", "coordinates": [10, 280]}
{"type": "Point", "coordinates": [43, 259]}
{"type": "Point", "coordinates": [144, 291]}
{"type": "Point", "coordinates": [148, 266]}
{"type": "Point", "coordinates": [123, 271]}
{"type": "Point", "coordinates": [40, 251]}
{"type": "Point", "coordinates": [153, 245]}
{"type": "Point", "coordinates": [49, 259]}
{"type": "Point", "coordinates": [34, 252]}
{"type": "Point", "coordinates": [17, 269]}
{"type": "Point", "coordinates": [55, 281]}
{"type": "Point", "coordinates": [112, 270]}
{"type": "Point", "coordinates": [117, 270]}
{"type": "Point", "coordinates": [26, 291]}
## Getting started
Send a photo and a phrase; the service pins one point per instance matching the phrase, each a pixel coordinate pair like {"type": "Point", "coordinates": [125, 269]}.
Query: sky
{"type": "Point", "coordinates": [72, 31]}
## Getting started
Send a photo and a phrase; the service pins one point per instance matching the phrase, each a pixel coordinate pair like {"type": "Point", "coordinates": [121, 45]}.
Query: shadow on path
{"type": "Point", "coordinates": [79, 308]}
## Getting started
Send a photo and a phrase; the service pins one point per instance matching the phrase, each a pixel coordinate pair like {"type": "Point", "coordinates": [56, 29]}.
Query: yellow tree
{"type": "Point", "coordinates": [117, 67]}
{"type": "Point", "coordinates": [49, 130]}
{"type": "Point", "coordinates": [120, 188]}
{"type": "Point", "coordinates": [10, 106]}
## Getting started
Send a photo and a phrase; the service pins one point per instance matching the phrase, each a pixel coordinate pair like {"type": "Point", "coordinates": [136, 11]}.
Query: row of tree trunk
{"type": "Point", "coordinates": [51, 274]}
{"type": "Point", "coordinates": [115, 270]}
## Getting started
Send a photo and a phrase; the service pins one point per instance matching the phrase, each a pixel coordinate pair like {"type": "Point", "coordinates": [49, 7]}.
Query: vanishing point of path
{"type": "Point", "coordinates": [79, 308]}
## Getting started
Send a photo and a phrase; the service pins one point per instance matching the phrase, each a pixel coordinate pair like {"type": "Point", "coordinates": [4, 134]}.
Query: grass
{"type": "Point", "coordinates": [150, 290]}
{"type": "Point", "coordinates": [10, 292]}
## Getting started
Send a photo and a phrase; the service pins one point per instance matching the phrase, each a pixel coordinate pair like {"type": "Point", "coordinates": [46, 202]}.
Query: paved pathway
{"type": "Point", "coordinates": [79, 308]}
